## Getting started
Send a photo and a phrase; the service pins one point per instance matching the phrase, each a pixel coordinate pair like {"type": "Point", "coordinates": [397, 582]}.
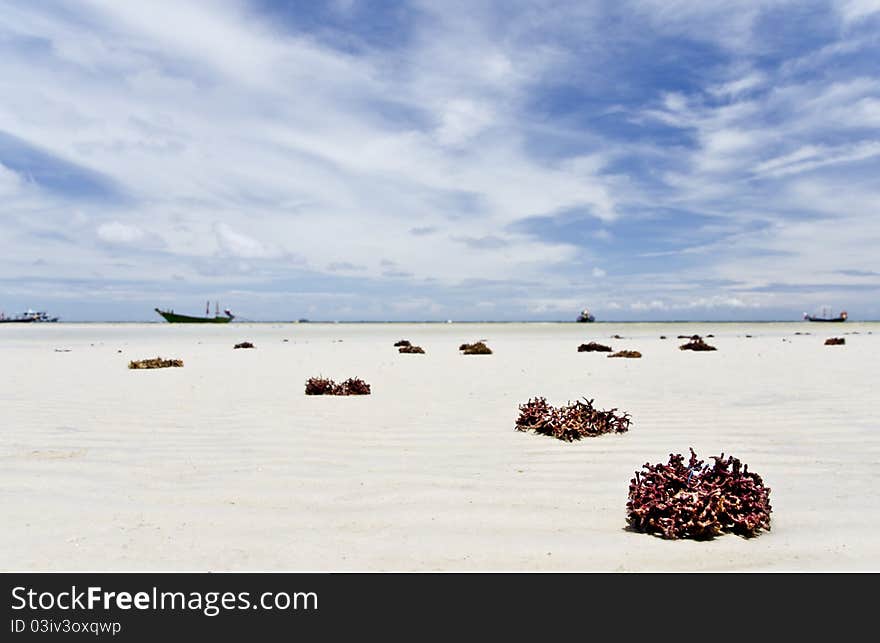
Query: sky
{"type": "Point", "coordinates": [448, 159]}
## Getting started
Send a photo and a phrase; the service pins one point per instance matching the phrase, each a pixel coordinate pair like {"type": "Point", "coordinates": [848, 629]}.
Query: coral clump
{"type": "Point", "coordinates": [626, 354]}
{"type": "Point", "coordinates": [675, 500]}
{"type": "Point", "coordinates": [324, 386]}
{"type": "Point", "coordinates": [410, 349]}
{"type": "Point", "coordinates": [593, 347]}
{"type": "Point", "coordinates": [835, 341]}
{"type": "Point", "coordinates": [569, 422]}
{"type": "Point", "coordinates": [244, 345]}
{"type": "Point", "coordinates": [477, 348]}
{"type": "Point", "coordinates": [156, 363]}
{"type": "Point", "coordinates": [402, 342]}
{"type": "Point", "coordinates": [352, 386]}
{"type": "Point", "coordinates": [319, 386]}
{"type": "Point", "coordinates": [697, 345]}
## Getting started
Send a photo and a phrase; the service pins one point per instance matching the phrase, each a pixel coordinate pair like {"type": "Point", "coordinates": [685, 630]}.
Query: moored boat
{"type": "Point", "coordinates": [175, 318]}
{"type": "Point", "coordinates": [29, 316]}
{"type": "Point", "coordinates": [586, 316]}
{"type": "Point", "coordinates": [825, 318]}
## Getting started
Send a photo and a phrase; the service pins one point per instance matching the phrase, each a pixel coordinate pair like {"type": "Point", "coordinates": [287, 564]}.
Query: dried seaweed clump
{"type": "Point", "coordinates": [244, 345]}
{"type": "Point", "coordinates": [626, 354]}
{"type": "Point", "coordinates": [410, 349]}
{"type": "Point", "coordinates": [478, 348]}
{"type": "Point", "coordinates": [402, 342]}
{"type": "Point", "coordinates": [697, 345]}
{"type": "Point", "coordinates": [569, 422]}
{"type": "Point", "coordinates": [592, 347]}
{"type": "Point", "coordinates": [324, 386]}
{"type": "Point", "coordinates": [156, 363]}
{"type": "Point", "coordinates": [675, 500]}
{"type": "Point", "coordinates": [835, 341]}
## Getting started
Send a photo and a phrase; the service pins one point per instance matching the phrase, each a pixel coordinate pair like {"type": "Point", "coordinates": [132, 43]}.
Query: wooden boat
{"type": "Point", "coordinates": [175, 318]}
{"type": "Point", "coordinates": [825, 318]}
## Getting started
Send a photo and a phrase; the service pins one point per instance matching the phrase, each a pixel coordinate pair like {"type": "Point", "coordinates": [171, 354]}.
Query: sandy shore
{"type": "Point", "coordinates": [225, 464]}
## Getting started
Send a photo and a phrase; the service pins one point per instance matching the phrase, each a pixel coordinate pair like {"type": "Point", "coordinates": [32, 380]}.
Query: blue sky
{"type": "Point", "coordinates": [371, 160]}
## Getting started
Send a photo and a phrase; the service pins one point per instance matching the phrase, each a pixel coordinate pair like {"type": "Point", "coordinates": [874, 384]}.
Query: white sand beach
{"type": "Point", "coordinates": [225, 464]}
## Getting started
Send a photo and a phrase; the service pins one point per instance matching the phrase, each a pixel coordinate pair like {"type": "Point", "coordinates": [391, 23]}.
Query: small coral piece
{"type": "Point", "coordinates": [402, 342]}
{"type": "Point", "coordinates": [569, 422]}
{"type": "Point", "coordinates": [410, 349]}
{"type": "Point", "coordinates": [593, 347]}
{"type": "Point", "coordinates": [156, 363]}
{"type": "Point", "coordinates": [675, 500]}
{"type": "Point", "coordinates": [835, 341]}
{"type": "Point", "coordinates": [696, 344]}
{"type": "Point", "coordinates": [352, 386]}
{"type": "Point", "coordinates": [319, 386]}
{"type": "Point", "coordinates": [244, 345]}
{"type": "Point", "coordinates": [324, 386]}
{"type": "Point", "coordinates": [626, 354]}
{"type": "Point", "coordinates": [477, 348]}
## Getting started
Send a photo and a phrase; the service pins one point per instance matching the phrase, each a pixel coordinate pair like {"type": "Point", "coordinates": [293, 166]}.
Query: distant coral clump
{"type": "Point", "coordinates": [630, 354]}
{"type": "Point", "coordinates": [156, 363]}
{"type": "Point", "coordinates": [835, 341]}
{"type": "Point", "coordinates": [594, 347]}
{"type": "Point", "coordinates": [697, 344]}
{"type": "Point", "coordinates": [675, 500]}
{"type": "Point", "coordinates": [410, 349]}
{"type": "Point", "coordinates": [244, 345]}
{"type": "Point", "coordinates": [402, 342]}
{"type": "Point", "coordinates": [324, 386]}
{"type": "Point", "coordinates": [477, 348]}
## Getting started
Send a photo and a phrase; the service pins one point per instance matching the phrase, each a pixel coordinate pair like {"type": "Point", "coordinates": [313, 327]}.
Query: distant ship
{"type": "Point", "coordinates": [29, 316]}
{"type": "Point", "coordinates": [586, 316]}
{"type": "Point", "coordinates": [825, 318]}
{"type": "Point", "coordinates": [175, 318]}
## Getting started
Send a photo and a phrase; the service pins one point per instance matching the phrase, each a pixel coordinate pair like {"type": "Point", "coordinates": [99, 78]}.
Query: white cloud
{"type": "Point", "coordinates": [241, 245]}
{"type": "Point", "coordinates": [855, 10]}
{"type": "Point", "coordinates": [461, 120]}
{"type": "Point", "coordinates": [736, 87]}
{"type": "Point", "coordinates": [116, 232]}
{"type": "Point", "coordinates": [10, 182]}
{"type": "Point", "coordinates": [654, 304]}
{"type": "Point", "coordinates": [811, 157]}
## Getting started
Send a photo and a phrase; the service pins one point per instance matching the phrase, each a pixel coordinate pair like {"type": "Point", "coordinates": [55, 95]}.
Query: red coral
{"type": "Point", "coordinates": [570, 422]}
{"type": "Point", "coordinates": [319, 386]}
{"type": "Point", "coordinates": [698, 501]}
